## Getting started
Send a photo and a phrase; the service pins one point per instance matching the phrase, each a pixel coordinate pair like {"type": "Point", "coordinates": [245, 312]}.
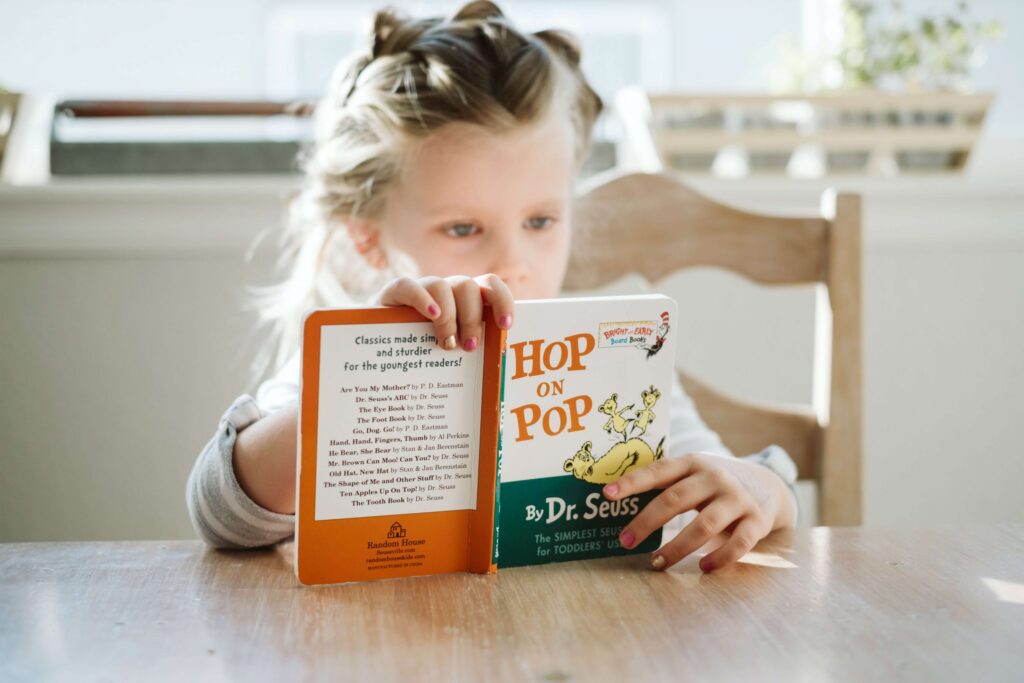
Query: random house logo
{"type": "Point", "coordinates": [396, 537]}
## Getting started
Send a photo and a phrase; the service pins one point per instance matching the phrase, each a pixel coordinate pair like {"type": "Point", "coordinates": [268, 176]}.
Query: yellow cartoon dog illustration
{"type": "Point", "coordinates": [616, 421]}
{"type": "Point", "coordinates": [645, 416]}
{"type": "Point", "coordinates": [619, 459]}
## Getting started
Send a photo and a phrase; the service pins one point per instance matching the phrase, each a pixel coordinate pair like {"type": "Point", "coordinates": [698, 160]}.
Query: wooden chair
{"type": "Point", "coordinates": [824, 439]}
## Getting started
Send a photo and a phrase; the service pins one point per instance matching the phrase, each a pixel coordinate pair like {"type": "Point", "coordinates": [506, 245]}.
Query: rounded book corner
{"type": "Point", "coordinates": [311, 318]}
{"type": "Point", "coordinates": [301, 575]}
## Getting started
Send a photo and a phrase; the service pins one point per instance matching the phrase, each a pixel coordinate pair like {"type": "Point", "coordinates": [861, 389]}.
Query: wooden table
{"type": "Point", "coordinates": [857, 604]}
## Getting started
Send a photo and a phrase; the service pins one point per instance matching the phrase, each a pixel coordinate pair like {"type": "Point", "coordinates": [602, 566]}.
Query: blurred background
{"type": "Point", "coordinates": [126, 241]}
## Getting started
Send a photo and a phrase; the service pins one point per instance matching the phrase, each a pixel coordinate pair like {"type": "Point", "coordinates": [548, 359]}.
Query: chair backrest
{"type": "Point", "coordinates": [688, 229]}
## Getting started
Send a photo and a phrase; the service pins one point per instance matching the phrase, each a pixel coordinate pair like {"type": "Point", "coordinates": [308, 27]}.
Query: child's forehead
{"type": "Point", "coordinates": [462, 164]}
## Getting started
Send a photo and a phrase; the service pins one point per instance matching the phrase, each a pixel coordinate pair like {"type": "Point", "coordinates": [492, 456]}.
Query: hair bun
{"type": "Point", "coordinates": [385, 22]}
{"type": "Point", "coordinates": [479, 9]}
{"type": "Point", "coordinates": [568, 45]}
{"type": "Point", "coordinates": [563, 41]}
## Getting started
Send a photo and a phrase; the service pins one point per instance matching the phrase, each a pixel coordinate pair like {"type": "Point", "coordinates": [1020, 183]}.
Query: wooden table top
{"type": "Point", "coordinates": [935, 603]}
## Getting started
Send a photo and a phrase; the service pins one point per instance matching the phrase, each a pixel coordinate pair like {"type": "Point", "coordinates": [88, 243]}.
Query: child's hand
{"type": "Point", "coordinates": [455, 304]}
{"type": "Point", "coordinates": [742, 499]}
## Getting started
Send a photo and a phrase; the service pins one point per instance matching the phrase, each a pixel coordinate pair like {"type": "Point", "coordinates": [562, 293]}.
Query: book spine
{"type": "Point", "coordinates": [497, 467]}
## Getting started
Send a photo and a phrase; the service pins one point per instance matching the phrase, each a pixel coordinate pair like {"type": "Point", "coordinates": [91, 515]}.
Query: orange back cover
{"type": "Point", "coordinates": [340, 550]}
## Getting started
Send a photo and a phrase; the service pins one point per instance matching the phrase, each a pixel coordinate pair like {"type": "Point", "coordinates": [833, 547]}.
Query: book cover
{"type": "Point", "coordinates": [397, 444]}
{"type": "Point", "coordinates": [415, 460]}
{"type": "Point", "coordinates": [587, 388]}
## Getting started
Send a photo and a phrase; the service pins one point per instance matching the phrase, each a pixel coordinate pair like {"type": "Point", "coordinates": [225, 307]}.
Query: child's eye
{"type": "Point", "coordinates": [461, 229]}
{"type": "Point", "coordinates": [540, 222]}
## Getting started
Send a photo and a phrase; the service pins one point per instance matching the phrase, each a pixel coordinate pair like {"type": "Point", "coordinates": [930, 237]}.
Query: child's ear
{"type": "Point", "coordinates": [366, 237]}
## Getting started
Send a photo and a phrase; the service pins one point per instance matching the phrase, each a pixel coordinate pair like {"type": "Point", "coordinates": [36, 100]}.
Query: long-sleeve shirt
{"type": "Point", "coordinates": [226, 517]}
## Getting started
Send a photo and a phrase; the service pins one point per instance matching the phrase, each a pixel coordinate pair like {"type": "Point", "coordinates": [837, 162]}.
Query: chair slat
{"type": "Point", "coordinates": [747, 427]}
{"type": "Point", "coordinates": [654, 225]}
{"type": "Point", "coordinates": [841, 485]}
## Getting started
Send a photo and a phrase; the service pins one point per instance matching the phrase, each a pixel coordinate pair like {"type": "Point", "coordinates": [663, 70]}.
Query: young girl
{"type": "Point", "coordinates": [441, 177]}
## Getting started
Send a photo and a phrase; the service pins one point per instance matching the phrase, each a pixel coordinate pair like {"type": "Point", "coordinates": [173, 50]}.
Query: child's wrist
{"type": "Point", "coordinates": [780, 473]}
{"type": "Point", "coordinates": [785, 511]}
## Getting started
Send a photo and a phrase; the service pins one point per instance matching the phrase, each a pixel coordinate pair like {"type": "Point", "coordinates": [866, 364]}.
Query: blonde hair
{"type": "Point", "coordinates": [416, 76]}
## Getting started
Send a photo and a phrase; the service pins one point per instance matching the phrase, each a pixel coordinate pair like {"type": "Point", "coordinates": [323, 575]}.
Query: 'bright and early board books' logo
{"type": "Point", "coordinates": [647, 335]}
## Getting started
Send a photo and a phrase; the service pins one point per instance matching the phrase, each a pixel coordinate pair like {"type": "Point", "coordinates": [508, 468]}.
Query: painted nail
{"type": "Point", "coordinates": [658, 562]}
{"type": "Point", "coordinates": [506, 321]}
{"type": "Point", "coordinates": [471, 343]}
{"type": "Point", "coordinates": [627, 539]}
{"type": "Point", "coordinates": [449, 342]}
{"type": "Point", "coordinates": [433, 310]}
{"type": "Point", "coordinates": [705, 564]}
{"type": "Point", "coordinates": [611, 489]}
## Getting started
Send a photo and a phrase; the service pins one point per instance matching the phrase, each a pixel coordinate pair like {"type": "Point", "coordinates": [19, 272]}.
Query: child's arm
{"type": "Point", "coordinates": [222, 513]}
{"type": "Point", "coordinates": [264, 459]}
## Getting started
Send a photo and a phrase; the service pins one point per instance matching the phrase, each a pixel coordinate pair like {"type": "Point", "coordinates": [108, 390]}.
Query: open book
{"type": "Point", "coordinates": [415, 460]}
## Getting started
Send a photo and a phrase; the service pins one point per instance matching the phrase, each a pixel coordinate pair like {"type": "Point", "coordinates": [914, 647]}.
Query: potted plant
{"type": "Point", "coordinates": [936, 53]}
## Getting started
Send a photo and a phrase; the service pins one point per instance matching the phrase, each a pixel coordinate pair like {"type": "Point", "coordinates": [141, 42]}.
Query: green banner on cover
{"type": "Point", "coordinates": [563, 518]}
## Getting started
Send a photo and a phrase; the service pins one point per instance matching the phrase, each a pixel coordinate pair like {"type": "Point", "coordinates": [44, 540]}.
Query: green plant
{"type": "Point", "coordinates": [938, 53]}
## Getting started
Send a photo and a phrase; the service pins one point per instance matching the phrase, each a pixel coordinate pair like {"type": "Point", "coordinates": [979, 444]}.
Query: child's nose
{"type": "Point", "coordinates": [514, 277]}
{"type": "Point", "coordinates": [511, 264]}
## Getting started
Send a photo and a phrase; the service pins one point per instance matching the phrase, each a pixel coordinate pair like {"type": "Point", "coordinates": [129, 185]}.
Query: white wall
{"type": "Point", "coordinates": [113, 372]}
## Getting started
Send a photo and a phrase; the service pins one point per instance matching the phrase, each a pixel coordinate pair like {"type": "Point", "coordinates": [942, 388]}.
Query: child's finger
{"type": "Point", "coordinates": [685, 494]}
{"type": "Point", "coordinates": [708, 523]}
{"type": "Point", "coordinates": [405, 291]}
{"type": "Point", "coordinates": [659, 474]}
{"type": "Point", "coordinates": [469, 308]}
{"type": "Point", "coordinates": [445, 322]}
{"type": "Point", "coordinates": [499, 297]}
{"type": "Point", "coordinates": [744, 537]}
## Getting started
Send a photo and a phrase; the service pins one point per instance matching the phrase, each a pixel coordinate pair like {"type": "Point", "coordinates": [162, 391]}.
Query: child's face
{"type": "Point", "coordinates": [471, 201]}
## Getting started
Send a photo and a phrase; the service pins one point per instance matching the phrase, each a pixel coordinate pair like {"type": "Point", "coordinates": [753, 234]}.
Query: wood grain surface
{"type": "Point", "coordinates": [843, 603]}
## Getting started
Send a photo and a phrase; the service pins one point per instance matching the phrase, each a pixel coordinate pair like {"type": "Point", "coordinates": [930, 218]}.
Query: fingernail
{"type": "Point", "coordinates": [626, 539]}
{"type": "Point", "coordinates": [611, 489]}
{"type": "Point", "coordinates": [449, 342]}
{"type": "Point", "coordinates": [433, 310]}
{"type": "Point", "coordinates": [658, 562]}
{"type": "Point", "coordinates": [705, 564]}
{"type": "Point", "coordinates": [471, 343]}
{"type": "Point", "coordinates": [506, 321]}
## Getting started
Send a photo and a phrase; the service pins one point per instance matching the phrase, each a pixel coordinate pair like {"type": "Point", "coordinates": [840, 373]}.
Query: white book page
{"type": "Point", "coordinates": [398, 422]}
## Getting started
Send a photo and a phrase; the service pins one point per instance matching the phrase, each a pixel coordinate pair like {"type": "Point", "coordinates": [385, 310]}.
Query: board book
{"type": "Point", "coordinates": [415, 460]}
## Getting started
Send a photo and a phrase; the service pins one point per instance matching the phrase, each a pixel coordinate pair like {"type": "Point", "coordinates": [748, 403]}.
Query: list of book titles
{"type": "Point", "coordinates": [398, 427]}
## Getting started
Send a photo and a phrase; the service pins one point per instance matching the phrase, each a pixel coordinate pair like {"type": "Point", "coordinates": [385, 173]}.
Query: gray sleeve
{"type": "Point", "coordinates": [222, 513]}
{"type": "Point", "coordinates": [688, 434]}
{"type": "Point", "coordinates": [775, 458]}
